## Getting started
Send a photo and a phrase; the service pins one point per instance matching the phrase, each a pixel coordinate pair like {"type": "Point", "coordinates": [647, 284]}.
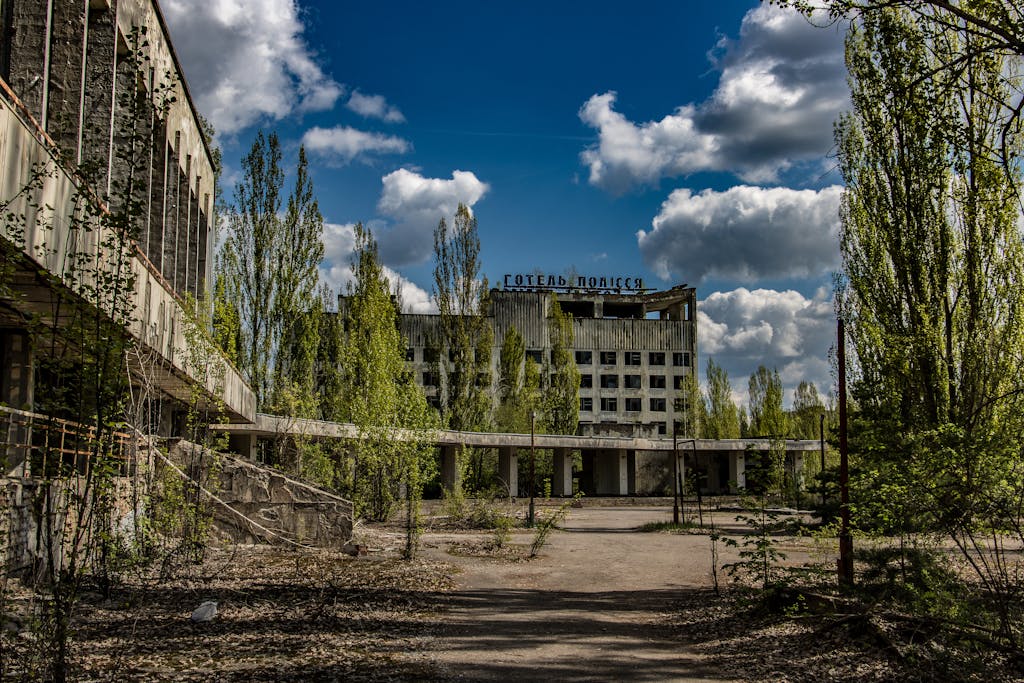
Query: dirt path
{"type": "Point", "coordinates": [588, 609]}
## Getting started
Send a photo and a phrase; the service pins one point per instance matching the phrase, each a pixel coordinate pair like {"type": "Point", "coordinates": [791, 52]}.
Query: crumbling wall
{"type": "Point", "coordinates": [266, 505]}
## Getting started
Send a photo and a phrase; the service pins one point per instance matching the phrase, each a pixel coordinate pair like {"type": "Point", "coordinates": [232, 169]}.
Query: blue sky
{"type": "Point", "coordinates": [679, 142]}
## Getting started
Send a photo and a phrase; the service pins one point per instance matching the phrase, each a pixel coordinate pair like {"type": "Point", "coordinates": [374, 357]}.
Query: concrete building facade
{"type": "Point", "coordinates": [96, 119]}
{"type": "Point", "coordinates": [632, 349]}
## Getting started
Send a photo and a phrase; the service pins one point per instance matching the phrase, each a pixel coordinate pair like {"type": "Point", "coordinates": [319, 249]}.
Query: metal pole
{"type": "Point", "coordinates": [845, 537]}
{"type": "Point", "coordinates": [675, 475]}
{"type": "Point", "coordinates": [821, 432]}
{"type": "Point", "coordinates": [533, 417]}
{"type": "Point", "coordinates": [700, 501]}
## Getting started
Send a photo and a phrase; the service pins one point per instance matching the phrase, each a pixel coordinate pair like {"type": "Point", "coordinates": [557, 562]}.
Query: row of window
{"type": "Point", "coordinates": [680, 359]}
{"type": "Point", "coordinates": [610, 404]}
{"type": "Point", "coordinates": [631, 381]}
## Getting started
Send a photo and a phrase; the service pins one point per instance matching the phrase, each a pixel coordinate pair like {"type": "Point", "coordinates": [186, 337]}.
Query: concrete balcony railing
{"type": "Point", "coordinates": [42, 218]}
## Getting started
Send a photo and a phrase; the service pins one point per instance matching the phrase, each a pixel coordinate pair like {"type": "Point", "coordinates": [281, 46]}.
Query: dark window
{"type": "Point", "coordinates": [677, 381]}
{"type": "Point", "coordinates": [586, 381]}
{"type": "Point", "coordinates": [584, 357]}
{"type": "Point", "coordinates": [657, 381]}
{"type": "Point", "coordinates": [429, 379]}
{"type": "Point", "coordinates": [632, 357]}
{"type": "Point", "coordinates": [681, 359]}
{"type": "Point", "coordinates": [609, 405]}
{"type": "Point", "coordinates": [632, 405]}
{"type": "Point", "coordinates": [658, 405]}
{"type": "Point", "coordinates": [431, 355]}
{"type": "Point", "coordinates": [608, 358]}
{"type": "Point", "coordinates": [552, 379]}
{"type": "Point", "coordinates": [632, 381]}
{"type": "Point", "coordinates": [434, 402]}
{"type": "Point", "coordinates": [656, 358]}
{"type": "Point", "coordinates": [451, 355]}
{"type": "Point", "coordinates": [536, 355]}
{"type": "Point", "coordinates": [483, 379]}
{"type": "Point", "coordinates": [662, 428]}
{"type": "Point", "coordinates": [609, 381]}
{"type": "Point", "coordinates": [410, 354]}
{"type": "Point", "coordinates": [586, 404]}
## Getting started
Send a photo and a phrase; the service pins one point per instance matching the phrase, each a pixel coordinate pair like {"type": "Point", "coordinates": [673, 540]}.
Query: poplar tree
{"type": "Point", "coordinates": [692, 409]}
{"type": "Point", "coordinates": [807, 411]}
{"type": "Point", "coordinates": [465, 334]}
{"type": "Point", "coordinates": [462, 299]}
{"type": "Point", "coordinates": [561, 399]}
{"type": "Point", "coordinates": [269, 276]}
{"type": "Point", "coordinates": [723, 418]}
{"type": "Point", "coordinates": [380, 397]}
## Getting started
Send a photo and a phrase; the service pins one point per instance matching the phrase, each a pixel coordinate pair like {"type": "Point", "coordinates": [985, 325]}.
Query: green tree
{"type": "Point", "coordinates": [465, 334]}
{"type": "Point", "coordinates": [932, 258]}
{"type": "Point", "coordinates": [692, 409]}
{"type": "Point", "coordinates": [767, 417]}
{"type": "Point", "coordinates": [561, 399]}
{"type": "Point", "coordinates": [380, 397]}
{"type": "Point", "coordinates": [807, 411]}
{"type": "Point", "coordinates": [723, 417]}
{"type": "Point", "coordinates": [269, 268]}
{"type": "Point", "coordinates": [517, 384]}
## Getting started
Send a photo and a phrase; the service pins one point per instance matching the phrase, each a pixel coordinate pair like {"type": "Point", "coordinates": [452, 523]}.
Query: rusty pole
{"type": "Point", "coordinates": [845, 538]}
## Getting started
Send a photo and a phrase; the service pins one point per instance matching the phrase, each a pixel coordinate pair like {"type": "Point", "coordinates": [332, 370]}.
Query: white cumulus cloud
{"type": "Point", "coordinates": [342, 144]}
{"type": "Point", "coordinates": [246, 61]}
{"type": "Point", "coordinates": [742, 329]}
{"type": "Point", "coordinates": [415, 204]}
{"type": "Point", "coordinates": [781, 85]}
{"type": "Point", "coordinates": [336, 270]}
{"type": "Point", "coordinates": [374, 107]}
{"type": "Point", "coordinates": [745, 233]}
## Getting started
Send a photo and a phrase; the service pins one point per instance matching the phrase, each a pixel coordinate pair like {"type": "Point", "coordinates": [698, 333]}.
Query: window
{"type": "Point", "coordinates": [429, 379]}
{"type": "Point", "coordinates": [536, 355]}
{"type": "Point", "coordinates": [586, 404]}
{"type": "Point", "coordinates": [632, 381]}
{"type": "Point", "coordinates": [608, 358]}
{"type": "Point", "coordinates": [656, 358]}
{"type": "Point", "coordinates": [586, 381]}
{"type": "Point", "coordinates": [632, 357]}
{"type": "Point", "coordinates": [609, 381]}
{"type": "Point", "coordinates": [483, 379]}
{"type": "Point", "coordinates": [657, 381]}
{"type": "Point", "coordinates": [662, 428]}
{"type": "Point", "coordinates": [451, 354]}
{"type": "Point", "coordinates": [677, 382]}
{"type": "Point", "coordinates": [434, 402]}
{"type": "Point", "coordinates": [584, 357]}
{"type": "Point", "coordinates": [410, 354]}
{"type": "Point", "coordinates": [632, 405]}
{"type": "Point", "coordinates": [431, 355]}
{"type": "Point", "coordinates": [681, 359]}
{"type": "Point", "coordinates": [609, 405]}
{"type": "Point", "coordinates": [658, 405]}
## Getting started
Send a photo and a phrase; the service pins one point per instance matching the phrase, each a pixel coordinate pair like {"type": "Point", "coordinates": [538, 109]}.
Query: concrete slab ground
{"type": "Point", "coordinates": [587, 609]}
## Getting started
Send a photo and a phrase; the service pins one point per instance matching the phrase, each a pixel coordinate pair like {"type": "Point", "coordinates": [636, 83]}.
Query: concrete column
{"type": "Point", "coordinates": [630, 473]}
{"type": "Point", "coordinates": [17, 381]}
{"type": "Point", "coordinates": [561, 481]}
{"type": "Point", "coordinates": [17, 373]}
{"type": "Point", "coordinates": [508, 469]}
{"type": "Point", "coordinates": [243, 444]}
{"type": "Point", "coordinates": [737, 471]}
{"type": "Point", "coordinates": [612, 472]}
{"type": "Point", "coordinates": [451, 472]}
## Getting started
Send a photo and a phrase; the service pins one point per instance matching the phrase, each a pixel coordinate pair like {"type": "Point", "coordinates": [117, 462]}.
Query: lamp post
{"type": "Point", "coordinates": [821, 434]}
{"type": "Point", "coordinates": [533, 418]}
{"type": "Point", "coordinates": [675, 473]}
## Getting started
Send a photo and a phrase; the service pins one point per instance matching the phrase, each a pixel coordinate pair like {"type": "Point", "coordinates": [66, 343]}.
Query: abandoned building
{"type": "Point", "coordinates": [633, 347]}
